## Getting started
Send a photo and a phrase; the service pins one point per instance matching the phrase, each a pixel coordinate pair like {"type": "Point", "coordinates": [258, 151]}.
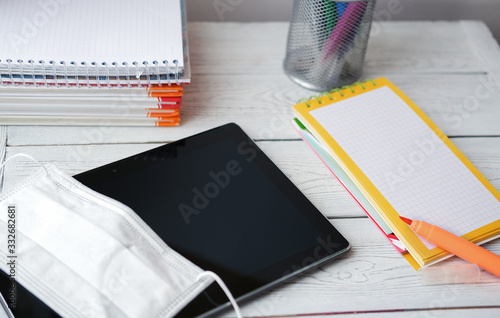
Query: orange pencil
{"type": "Point", "coordinates": [456, 245]}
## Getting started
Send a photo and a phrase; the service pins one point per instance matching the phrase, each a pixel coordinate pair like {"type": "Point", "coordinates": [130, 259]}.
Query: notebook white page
{"type": "Point", "coordinates": [91, 31]}
{"type": "Point", "coordinates": [407, 162]}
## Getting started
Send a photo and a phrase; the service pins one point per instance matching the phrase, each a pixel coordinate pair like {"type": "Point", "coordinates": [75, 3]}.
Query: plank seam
{"type": "Point", "coordinates": [3, 151]}
{"type": "Point", "coordinates": [470, 27]}
{"type": "Point", "coordinates": [382, 311]}
{"type": "Point", "coordinates": [470, 136]}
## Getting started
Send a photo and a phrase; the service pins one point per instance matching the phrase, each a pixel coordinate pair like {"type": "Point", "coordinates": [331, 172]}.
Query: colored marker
{"type": "Point", "coordinates": [457, 245]}
{"type": "Point", "coordinates": [330, 15]}
{"type": "Point", "coordinates": [344, 28]}
{"type": "Point", "coordinates": [341, 6]}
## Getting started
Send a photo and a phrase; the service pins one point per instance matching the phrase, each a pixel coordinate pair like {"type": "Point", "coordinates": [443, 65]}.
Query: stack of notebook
{"type": "Point", "coordinates": [93, 62]}
{"type": "Point", "coordinates": [396, 162]}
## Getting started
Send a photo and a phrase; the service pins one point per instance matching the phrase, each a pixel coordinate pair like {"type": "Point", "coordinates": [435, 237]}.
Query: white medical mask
{"type": "Point", "coordinates": [86, 255]}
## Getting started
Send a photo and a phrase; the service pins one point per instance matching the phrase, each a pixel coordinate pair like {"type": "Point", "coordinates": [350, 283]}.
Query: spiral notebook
{"type": "Point", "coordinates": [106, 42]}
{"type": "Point", "coordinates": [347, 183]}
{"type": "Point", "coordinates": [130, 57]}
{"type": "Point", "coordinates": [403, 164]}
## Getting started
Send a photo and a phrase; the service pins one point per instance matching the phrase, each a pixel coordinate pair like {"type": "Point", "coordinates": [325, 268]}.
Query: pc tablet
{"type": "Point", "coordinates": [218, 200]}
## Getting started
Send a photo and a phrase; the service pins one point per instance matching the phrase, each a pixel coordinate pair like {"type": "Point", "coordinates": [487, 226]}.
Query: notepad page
{"type": "Point", "coordinates": [407, 162]}
{"type": "Point", "coordinates": [91, 31]}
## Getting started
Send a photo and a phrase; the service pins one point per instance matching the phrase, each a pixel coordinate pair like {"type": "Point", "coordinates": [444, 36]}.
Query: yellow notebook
{"type": "Point", "coordinates": [403, 164]}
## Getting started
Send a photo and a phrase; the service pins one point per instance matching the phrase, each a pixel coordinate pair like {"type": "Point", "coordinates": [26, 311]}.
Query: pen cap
{"type": "Point", "coordinates": [466, 273]}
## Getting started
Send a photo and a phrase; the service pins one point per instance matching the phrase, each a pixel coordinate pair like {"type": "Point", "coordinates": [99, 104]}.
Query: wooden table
{"type": "Point", "coordinates": [447, 68]}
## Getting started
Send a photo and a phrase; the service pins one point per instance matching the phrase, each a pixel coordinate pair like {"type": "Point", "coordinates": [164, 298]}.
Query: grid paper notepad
{"type": "Point", "coordinates": [393, 153]}
{"type": "Point", "coordinates": [101, 31]}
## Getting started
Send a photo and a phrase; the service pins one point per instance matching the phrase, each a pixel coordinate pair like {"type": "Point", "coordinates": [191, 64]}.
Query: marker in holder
{"type": "Point", "coordinates": [327, 42]}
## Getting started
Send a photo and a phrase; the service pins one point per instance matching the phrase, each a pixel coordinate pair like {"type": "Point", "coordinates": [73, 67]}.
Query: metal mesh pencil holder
{"type": "Point", "coordinates": [327, 42]}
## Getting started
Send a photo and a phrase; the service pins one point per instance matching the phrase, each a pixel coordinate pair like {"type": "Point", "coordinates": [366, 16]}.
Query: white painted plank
{"type": "Point", "coordinates": [403, 313]}
{"type": "Point", "coordinates": [3, 142]}
{"type": "Point", "coordinates": [467, 105]}
{"type": "Point", "coordinates": [294, 158]}
{"type": "Point", "coordinates": [482, 43]}
{"type": "Point", "coordinates": [372, 276]}
{"type": "Point", "coordinates": [394, 47]}
{"type": "Point", "coordinates": [463, 105]}
{"type": "Point", "coordinates": [369, 278]}
{"type": "Point", "coordinates": [3, 150]}
{"type": "Point", "coordinates": [237, 77]}
{"type": "Point", "coordinates": [250, 88]}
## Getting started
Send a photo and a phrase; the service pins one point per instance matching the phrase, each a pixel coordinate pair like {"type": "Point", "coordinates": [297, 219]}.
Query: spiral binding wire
{"type": "Point", "coordinates": [107, 74]}
{"type": "Point", "coordinates": [32, 71]}
{"type": "Point", "coordinates": [157, 72]}
{"type": "Point", "coordinates": [82, 74]}
{"type": "Point", "coordinates": [9, 61]}
{"type": "Point", "coordinates": [168, 74]}
{"type": "Point", "coordinates": [53, 63]}
{"type": "Point", "coordinates": [44, 75]}
{"type": "Point", "coordinates": [21, 71]}
{"type": "Point", "coordinates": [339, 91]}
{"type": "Point", "coordinates": [65, 74]}
{"type": "Point", "coordinates": [76, 72]}
{"type": "Point", "coordinates": [147, 73]}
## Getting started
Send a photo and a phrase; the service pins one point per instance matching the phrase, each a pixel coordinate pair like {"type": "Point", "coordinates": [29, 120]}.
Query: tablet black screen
{"type": "Point", "coordinates": [214, 205]}
{"type": "Point", "coordinates": [219, 201]}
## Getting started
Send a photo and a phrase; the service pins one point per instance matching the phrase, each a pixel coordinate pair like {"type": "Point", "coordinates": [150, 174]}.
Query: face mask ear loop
{"type": "Point", "coordinates": [224, 288]}
{"type": "Point", "coordinates": [5, 307]}
{"type": "Point", "coordinates": [24, 155]}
